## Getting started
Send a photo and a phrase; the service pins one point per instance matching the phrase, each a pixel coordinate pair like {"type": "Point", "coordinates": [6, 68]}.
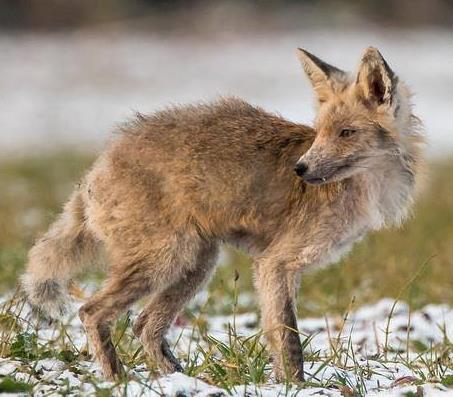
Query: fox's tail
{"type": "Point", "coordinates": [63, 251]}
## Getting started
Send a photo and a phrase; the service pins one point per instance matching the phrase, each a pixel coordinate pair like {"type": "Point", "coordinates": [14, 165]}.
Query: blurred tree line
{"type": "Point", "coordinates": [207, 14]}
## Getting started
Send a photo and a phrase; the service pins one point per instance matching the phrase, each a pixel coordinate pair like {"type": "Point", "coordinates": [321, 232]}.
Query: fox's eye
{"type": "Point", "coordinates": [346, 132]}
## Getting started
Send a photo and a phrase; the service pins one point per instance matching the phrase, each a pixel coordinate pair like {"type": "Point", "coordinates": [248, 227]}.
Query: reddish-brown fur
{"type": "Point", "coordinates": [174, 185]}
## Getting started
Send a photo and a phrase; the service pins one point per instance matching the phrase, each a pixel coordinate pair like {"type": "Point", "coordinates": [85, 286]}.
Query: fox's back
{"type": "Point", "coordinates": [226, 161]}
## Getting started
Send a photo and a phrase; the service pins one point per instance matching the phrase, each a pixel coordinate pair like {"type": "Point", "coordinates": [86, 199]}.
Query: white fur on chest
{"type": "Point", "coordinates": [381, 204]}
{"type": "Point", "coordinates": [337, 246]}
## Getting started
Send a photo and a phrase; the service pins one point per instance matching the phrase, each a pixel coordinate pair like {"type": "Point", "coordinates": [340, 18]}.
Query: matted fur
{"type": "Point", "coordinates": [172, 186]}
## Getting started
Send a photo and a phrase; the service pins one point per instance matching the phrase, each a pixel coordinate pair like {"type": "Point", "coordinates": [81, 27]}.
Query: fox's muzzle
{"type": "Point", "coordinates": [301, 168]}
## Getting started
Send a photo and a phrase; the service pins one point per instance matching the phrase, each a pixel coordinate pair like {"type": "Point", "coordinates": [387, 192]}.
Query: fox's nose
{"type": "Point", "coordinates": [301, 168]}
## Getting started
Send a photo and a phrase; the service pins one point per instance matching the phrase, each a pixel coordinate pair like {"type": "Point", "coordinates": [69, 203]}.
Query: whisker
{"type": "Point", "coordinates": [379, 155]}
{"type": "Point", "coordinates": [361, 166]}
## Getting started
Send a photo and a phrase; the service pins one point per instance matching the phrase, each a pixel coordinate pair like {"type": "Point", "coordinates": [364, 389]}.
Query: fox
{"type": "Point", "coordinates": [172, 187]}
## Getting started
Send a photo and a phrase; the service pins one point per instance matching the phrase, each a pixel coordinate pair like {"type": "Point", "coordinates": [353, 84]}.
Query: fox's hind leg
{"type": "Point", "coordinates": [166, 259]}
{"type": "Point", "coordinates": [125, 285]}
{"type": "Point", "coordinates": [160, 312]}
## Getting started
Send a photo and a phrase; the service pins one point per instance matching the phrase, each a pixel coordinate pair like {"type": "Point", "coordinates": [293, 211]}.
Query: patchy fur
{"type": "Point", "coordinates": [172, 186]}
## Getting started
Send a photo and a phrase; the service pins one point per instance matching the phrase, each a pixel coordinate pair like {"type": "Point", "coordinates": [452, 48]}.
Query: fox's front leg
{"type": "Point", "coordinates": [277, 289]}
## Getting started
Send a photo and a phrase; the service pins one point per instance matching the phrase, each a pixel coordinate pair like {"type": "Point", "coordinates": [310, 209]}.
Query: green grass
{"type": "Point", "coordinates": [414, 263]}
{"type": "Point", "coordinates": [238, 360]}
{"type": "Point", "coordinates": [32, 191]}
{"type": "Point", "coordinates": [34, 188]}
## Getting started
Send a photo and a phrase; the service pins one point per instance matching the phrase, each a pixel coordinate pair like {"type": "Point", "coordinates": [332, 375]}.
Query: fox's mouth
{"type": "Point", "coordinates": [328, 177]}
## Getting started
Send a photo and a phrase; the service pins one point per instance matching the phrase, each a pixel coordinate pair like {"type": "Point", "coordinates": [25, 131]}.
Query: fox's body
{"type": "Point", "coordinates": [173, 186]}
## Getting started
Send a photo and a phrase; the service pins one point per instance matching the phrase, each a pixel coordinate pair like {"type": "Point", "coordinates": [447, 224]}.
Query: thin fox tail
{"type": "Point", "coordinates": [63, 251]}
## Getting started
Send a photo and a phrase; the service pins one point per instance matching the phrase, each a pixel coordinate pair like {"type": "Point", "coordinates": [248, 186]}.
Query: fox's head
{"type": "Point", "coordinates": [362, 121]}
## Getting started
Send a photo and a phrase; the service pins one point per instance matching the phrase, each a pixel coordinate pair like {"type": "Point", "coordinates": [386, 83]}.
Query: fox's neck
{"type": "Point", "coordinates": [389, 191]}
{"type": "Point", "coordinates": [372, 200]}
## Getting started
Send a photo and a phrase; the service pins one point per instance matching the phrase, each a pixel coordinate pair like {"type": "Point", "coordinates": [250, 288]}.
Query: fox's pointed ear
{"type": "Point", "coordinates": [376, 82]}
{"type": "Point", "coordinates": [325, 78]}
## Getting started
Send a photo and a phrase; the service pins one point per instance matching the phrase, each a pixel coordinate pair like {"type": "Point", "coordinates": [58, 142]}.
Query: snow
{"type": "Point", "coordinates": [49, 365]}
{"type": "Point", "coordinates": [8, 366]}
{"type": "Point", "coordinates": [365, 332]}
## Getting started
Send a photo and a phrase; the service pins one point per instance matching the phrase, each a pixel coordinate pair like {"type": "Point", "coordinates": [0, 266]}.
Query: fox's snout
{"type": "Point", "coordinates": [301, 168]}
{"type": "Point", "coordinates": [309, 176]}
{"type": "Point", "coordinates": [318, 170]}
{"type": "Point", "coordinates": [314, 177]}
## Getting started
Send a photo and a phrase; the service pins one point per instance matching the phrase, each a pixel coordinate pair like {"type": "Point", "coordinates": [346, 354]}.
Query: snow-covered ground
{"type": "Point", "coordinates": [371, 344]}
{"type": "Point", "coordinates": [71, 88]}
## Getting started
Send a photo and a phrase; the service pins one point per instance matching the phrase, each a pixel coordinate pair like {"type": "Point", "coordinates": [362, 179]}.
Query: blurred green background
{"type": "Point", "coordinates": [71, 70]}
{"type": "Point", "coordinates": [34, 188]}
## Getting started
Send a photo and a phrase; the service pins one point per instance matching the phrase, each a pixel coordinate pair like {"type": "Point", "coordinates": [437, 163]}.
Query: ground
{"type": "Point", "coordinates": [379, 322]}
{"type": "Point", "coordinates": [380, 349]}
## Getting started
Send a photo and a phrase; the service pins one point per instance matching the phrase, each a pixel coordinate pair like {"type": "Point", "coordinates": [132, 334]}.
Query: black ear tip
{"type": "Point", "coordinates": [300, 52]}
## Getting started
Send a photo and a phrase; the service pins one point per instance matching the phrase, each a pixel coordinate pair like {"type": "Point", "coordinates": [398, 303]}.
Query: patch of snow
{"type": "Point", "coordinates": [364, 333]}
{"type": "Point", "coordinates": [8, 366]}
{"type": "Point", "coordinates": [49, 364]}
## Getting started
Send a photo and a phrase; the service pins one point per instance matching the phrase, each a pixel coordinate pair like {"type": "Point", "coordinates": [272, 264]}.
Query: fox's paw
{"type": "Point", "coordinates": [160, 353]}
{"type": "Point", "coordinates": [171, 362]}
